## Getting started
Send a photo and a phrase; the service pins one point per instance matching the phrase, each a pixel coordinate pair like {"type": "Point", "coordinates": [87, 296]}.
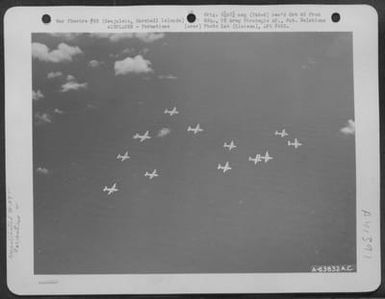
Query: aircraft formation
{"type": "Point", "coordinates": [258, 158]}
{"type": "Point", "coordinates": [228, 146]}
{"type": "Point", "coordinates": [296, 144]}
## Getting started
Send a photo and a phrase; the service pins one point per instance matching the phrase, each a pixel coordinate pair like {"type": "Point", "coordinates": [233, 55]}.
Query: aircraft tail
{"type": "Point", "coordinates": [219, 166]}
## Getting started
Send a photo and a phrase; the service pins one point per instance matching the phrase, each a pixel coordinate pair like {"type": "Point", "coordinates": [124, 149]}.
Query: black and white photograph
{"type": "Point", "coordinates": [193, 152]}
{"type": "Point", "coordinates": [213, 149]}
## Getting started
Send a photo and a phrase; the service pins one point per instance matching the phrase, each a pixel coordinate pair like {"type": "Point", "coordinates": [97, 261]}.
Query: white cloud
{"type": "Point", "coordinates": [94, 63]}
{"type": "Point", "coordinates": [42, 170]}
{"type": "Point", "coordinates": [349, 129]}
{"type": "Point", "coordinates": [164, 132]}
{"type": "Point", "coordinates": [149, 37]}
{"type": "Point", "coordinates": [167, 77]}
{"type": "Point", "coordinates": [135, 65]}
{"type": "Point", "coordinates": [100, 34]}
{"type": "Point", "coordinates": [58, 111]}
{"type": "Point", "coordinates": [63, 53]}
{"type": "Point", "coordinates": [65, 36]}
{"type": "Point", "coordinates": [70, 78]}
{"type": "Point", "coordinates": [114, 37]}
{"type": "Point", "coordinates": [71, 84]}
{"type": "Point", "coordinates": [132, 52]}
{"type": "Point", "coordinates": [43, 118]}
{"type": "Point", "coordinates": [146, 37]}
{"type": "Point", "coordinates": [128, 51]}
{"type": "Point", "coordinates": [37, 95]}
{"type": "Point", "coordinates": [53, 75]}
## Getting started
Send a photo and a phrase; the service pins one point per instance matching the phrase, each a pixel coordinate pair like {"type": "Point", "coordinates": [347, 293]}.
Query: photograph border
{"type": "Point", "coordinates": [362, 20]}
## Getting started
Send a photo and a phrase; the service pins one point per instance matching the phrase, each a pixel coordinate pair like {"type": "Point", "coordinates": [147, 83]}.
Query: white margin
{"type": "Point", "coordinates": [20, 22]}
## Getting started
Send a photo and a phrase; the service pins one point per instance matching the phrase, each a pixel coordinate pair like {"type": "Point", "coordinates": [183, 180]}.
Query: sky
{"type": "Point", "coordinates": [93, 92]}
